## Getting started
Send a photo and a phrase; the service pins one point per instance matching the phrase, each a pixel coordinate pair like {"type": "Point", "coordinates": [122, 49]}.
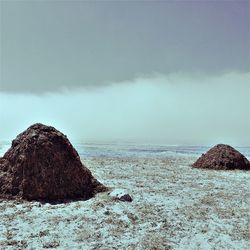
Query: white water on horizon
{"type": "Point", "coordinates": [86, 150]}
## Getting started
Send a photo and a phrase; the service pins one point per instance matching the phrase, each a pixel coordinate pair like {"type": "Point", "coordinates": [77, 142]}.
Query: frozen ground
{"type": "Point", "coordinates": [174, 207]}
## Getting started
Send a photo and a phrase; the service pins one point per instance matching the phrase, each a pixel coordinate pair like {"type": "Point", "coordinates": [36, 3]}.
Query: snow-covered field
{"type": "Point", "coordinates": [174, 206]}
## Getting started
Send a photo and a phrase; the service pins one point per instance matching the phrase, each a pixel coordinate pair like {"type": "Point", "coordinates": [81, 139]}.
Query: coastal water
{"type": "Point", "coordinates": [134, 150]}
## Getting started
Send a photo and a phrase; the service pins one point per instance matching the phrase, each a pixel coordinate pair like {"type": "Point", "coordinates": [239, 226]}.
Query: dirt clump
{"type": "Point", "coordinates": [222, 157]}
{"type": "Point", "coordinates": [43, 165]}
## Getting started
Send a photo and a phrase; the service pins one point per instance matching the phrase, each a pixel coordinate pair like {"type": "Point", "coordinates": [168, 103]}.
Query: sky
{"type": "Point", "coordinates": [172, 72]}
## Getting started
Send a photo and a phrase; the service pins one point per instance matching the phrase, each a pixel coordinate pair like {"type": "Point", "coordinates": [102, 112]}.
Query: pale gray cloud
{"type": "Point", "coordinates": [169, 109]}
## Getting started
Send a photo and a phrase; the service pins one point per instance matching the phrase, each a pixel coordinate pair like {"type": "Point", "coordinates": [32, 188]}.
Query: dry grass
{"type": "Point", "coordinates": [174, 207]}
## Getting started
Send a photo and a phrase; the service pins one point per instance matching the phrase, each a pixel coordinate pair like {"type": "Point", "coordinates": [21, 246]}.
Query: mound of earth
{"type": "Point", "coordinates": [43, 165]}
{"type": "Point", "coordinates": [223, 157]}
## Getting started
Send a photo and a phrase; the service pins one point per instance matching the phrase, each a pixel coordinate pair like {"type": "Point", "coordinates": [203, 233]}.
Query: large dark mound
{"type": "Point", "coordinates": [222, 157]}
{"type": "Point", "coordinates": [43, 165]}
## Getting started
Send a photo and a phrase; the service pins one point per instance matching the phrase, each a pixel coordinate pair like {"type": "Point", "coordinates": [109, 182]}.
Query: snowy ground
{"type": "Point", "coordinates": [174, 207]}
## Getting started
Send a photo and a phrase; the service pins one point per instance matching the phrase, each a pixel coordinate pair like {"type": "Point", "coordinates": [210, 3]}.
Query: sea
{"type": "Point", "coordinates": [102, 150]}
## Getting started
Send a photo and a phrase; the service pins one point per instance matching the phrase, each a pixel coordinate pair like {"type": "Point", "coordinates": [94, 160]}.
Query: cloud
{"type": "Point", "coordinates": [169, 109]}
{"type": "Point", "coordinates": [48, 45]}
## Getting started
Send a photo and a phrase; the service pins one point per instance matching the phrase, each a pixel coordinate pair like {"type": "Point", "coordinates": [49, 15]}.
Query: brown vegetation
{"type": "Point", "coordinates": [43, 165]}
{"type": "Point", "coordinates": [223, 157]}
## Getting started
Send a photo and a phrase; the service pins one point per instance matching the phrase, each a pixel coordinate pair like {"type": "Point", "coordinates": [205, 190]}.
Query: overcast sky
{"type": "Point", "coordinates": [95, 68]}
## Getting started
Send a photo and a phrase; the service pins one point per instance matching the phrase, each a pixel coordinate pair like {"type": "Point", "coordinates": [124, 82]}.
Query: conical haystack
{"type": "Point", "coordinates": [222, 157]}
{"type": "Point", "coordinates": [43, 165]}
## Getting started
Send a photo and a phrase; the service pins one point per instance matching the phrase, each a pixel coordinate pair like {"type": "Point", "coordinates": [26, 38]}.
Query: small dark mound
{"type": "Point", "coordinates": [43, 165]}
{"type": "Point", "coordinates": [222, 157]}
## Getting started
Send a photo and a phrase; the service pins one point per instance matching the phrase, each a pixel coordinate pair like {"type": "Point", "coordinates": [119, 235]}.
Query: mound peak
{"type": "Point", "coordinates": [43, 165]}
{"type": "Point", "coordinates": [222, 157]}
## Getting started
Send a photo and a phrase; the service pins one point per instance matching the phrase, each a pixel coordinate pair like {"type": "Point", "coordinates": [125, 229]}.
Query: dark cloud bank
{"type": "Point", "coordinates": [50, 45]}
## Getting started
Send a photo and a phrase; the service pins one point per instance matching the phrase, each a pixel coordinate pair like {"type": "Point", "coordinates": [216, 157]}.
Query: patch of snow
{"type": "Point", "coordinates": [174, 206]}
